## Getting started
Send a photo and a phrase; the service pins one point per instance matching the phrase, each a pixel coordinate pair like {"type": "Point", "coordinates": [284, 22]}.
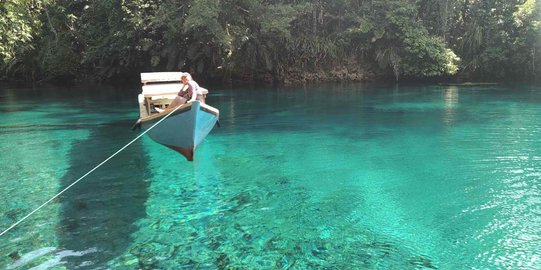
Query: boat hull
{"type": "Point", "coordinates": [184, 129]}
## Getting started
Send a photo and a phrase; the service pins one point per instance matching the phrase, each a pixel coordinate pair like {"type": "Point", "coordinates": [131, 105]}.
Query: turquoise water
{"type": "Point", "coordinates": [328, 177]}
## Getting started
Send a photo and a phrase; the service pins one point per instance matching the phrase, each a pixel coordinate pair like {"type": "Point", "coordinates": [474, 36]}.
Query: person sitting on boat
{"type": "Point", "coordinates": [199, 92]}
{"type": "Point", "coordinates": [188, 92]}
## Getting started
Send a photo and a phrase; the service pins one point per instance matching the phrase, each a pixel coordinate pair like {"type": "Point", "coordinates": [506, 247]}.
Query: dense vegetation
{"type": "Point", "coordinates": [271, 40]}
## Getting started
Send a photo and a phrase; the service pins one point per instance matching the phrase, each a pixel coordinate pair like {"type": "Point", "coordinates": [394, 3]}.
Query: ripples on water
{"type": "Point", "coordinates": [324, 178]}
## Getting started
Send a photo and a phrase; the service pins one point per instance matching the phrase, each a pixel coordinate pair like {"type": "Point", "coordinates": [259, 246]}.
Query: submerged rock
{"type": "Point", "coordinates": [241, 199]}
{"type": "Point", "coordinates": [30, 256]}
{"type": "Point", "coordinates": [320, 252]}
{"type": "Point", "coordinates": [222, 261]}
{"type": "Point", "coordinates": [148, 254]}
{"type": "Point", "coordinates": [247, 236]}
{"type": "Point", "coordinates": [14, 255]}
{"type": "Point", "coordinates": [15, 214]}
{"type": "Point", "coordinates": [422, 262]}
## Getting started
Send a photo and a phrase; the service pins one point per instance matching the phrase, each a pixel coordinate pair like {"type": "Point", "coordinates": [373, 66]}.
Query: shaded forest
{"type": "Point", "coordinates": [287, 41]}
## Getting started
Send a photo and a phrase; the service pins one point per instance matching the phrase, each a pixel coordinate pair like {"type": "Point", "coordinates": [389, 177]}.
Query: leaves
{"type": "Point", "coordinates": [256, 39]}
{"type": "Point", "coordinates": [18, 26]}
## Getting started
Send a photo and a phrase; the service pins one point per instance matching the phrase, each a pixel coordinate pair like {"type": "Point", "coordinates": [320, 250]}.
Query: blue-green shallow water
{"type": "Point", "coordinates": [330, 177]}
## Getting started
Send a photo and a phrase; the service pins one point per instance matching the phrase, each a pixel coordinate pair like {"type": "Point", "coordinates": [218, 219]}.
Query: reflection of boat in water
{"type": "Point", "coordinates": [184, 127]}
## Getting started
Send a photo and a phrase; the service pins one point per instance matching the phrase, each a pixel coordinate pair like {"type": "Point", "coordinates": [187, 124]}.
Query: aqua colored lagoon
{"type": "Point", "coordinates": [328, 177]}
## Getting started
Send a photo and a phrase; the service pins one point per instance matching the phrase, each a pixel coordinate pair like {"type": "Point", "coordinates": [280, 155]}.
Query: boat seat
{"type": "Point", "coordinates": [162, 101]}
{"type": "Point", "coordinates": [153, 102]}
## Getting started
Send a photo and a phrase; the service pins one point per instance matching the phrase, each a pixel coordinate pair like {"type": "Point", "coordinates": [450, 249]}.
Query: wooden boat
{"type": "Point", "coordinates": [185, 128]}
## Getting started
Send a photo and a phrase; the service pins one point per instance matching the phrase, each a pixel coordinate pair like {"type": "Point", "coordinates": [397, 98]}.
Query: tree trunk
{"type": "Point", "coordinates": [314, 20]}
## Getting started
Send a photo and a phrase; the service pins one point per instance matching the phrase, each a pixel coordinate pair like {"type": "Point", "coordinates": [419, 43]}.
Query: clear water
{"type": "Point", "coordinates": [329, 177]}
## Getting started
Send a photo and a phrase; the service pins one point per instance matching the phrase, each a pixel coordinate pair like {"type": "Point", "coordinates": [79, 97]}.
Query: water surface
{"type": "Point", "coordinates": [327, 177]}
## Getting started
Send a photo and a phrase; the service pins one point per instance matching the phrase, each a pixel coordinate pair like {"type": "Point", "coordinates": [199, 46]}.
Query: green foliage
{"type": "Point", "coordinates": [276, 19]}
{"type": "Point", "coordinates": [388, 56]}
{"type": "Point", "coordinates": [203, 21]}
{"type": "Point", "coordinates": [497, 39]}
{"type": "Point", "coordinates": [408, 48]}
{"type": "Point", "coordinates": [19, 25]}
{"type": "Point", "coordinates": [427, 56]}
{"type": "Point", "coordinates": [527, 43]}
{"type": "Point", "coordinates": [107, 37]}
{"type": "Point", "coordinates": [16, 28]}
{"type": "Point", "coordinates": [525, 14]}
{"type": "Point", "coordinates": [258, 39]}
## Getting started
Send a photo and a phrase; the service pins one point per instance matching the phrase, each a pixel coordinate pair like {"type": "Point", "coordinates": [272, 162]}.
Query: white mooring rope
{"type": "Point", "coordinates": [89, 172]}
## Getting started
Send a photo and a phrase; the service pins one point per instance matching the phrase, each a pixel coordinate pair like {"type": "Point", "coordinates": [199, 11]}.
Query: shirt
{"type": "Point", "coordinates": [191, 92]}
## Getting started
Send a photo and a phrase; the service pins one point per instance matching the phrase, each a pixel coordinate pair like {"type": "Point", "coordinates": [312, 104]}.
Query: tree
{"type": "Point", "coordinates": [408, 47]}
{"type": "Point", "coordinates": [270, 39]}
{"type": "Point", "coordinates": [19, 26]}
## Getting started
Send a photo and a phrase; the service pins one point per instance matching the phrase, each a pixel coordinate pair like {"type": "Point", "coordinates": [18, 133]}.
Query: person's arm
{"type": "Point", "coordinates": [182, 91]}
{"type": "Point", "coordinates": [194, 91]}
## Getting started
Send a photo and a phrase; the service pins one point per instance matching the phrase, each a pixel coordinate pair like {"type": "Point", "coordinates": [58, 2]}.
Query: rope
{"type": "Point", "coordinates": [89, 172]}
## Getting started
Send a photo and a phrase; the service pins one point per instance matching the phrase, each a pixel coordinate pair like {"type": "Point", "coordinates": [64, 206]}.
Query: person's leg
{"type": "Point", "coordinates": [177, 101]}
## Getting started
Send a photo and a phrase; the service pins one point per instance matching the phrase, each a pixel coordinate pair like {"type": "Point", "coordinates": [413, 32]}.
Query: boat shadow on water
{"type": "Point", "coordinates": [98, 214]}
